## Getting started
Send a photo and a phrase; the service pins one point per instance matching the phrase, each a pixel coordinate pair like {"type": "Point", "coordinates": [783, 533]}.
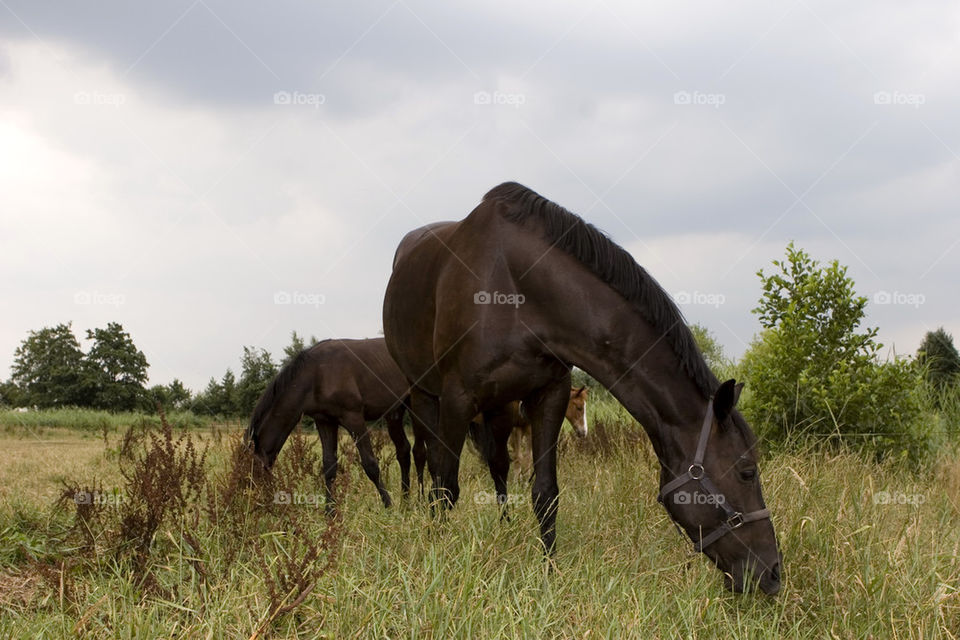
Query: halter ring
{"type": "Point", "coordinates": [699, 471]}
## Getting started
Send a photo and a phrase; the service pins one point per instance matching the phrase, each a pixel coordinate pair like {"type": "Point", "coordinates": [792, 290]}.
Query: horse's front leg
{"type": "Point", "coordinates": [545, 408]}
{"type": "Point", "coordinates": [445, 445]}
{"type": "Point", "coordinates": [500, 423]}
{"type": "Point", "coordinates": [327, 431]}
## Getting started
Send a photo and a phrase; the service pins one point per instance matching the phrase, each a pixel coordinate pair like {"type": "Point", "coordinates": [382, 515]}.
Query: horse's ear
{"type": "Point", "coordinates": [580, 391]}
{"type": "Point", "coordinates": [725, 399]}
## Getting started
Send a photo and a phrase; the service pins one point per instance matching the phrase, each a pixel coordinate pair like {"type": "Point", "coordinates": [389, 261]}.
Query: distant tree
{"type": "Point", "coordinates": [118, 369]}
{"type": "Point", "coordinates": [939, 357]}
{"type": "Point", "coordinates": [209, 401]}
{"type": "Point", "coordinates": [48, 369]}
{"type": "Point", "coordinates": [171, 396]}
{"type": "Point", "coordinates": [257, 369]}
{"type": "Point", "coordinates": [297, 344]}
{"type": "Point", "coordinates": [179, 395]}
{"type": "Point", "coordinates": [711, 349]}
{"type": "Point", "coordinates": [229, 402]}
{"type": "Point", "coordinates": [10, 395]}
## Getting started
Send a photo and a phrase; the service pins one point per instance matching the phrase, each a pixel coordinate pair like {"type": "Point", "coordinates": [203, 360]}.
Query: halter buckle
{"type": "Point", "coordinates": [696, 471]}
{"type": "Point", "coordinates": [735, 521]}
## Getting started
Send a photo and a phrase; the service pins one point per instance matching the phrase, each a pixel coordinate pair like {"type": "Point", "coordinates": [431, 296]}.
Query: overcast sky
{"type": "Point", "coordinates": [186, 167]}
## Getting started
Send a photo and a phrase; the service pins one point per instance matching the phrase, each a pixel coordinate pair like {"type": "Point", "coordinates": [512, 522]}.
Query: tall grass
{"type": "Point", "coordinates": [94, 420]}
{"type": "Point", "coordinates": [869, 551]}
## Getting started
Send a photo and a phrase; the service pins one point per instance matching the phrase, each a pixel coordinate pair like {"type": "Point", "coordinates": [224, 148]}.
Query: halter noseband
{"type": "Point", "coordinates": [696, 473]}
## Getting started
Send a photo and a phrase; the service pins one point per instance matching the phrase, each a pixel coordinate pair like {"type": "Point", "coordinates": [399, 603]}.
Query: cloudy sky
{"type": "Point", "coordinates": [215, 173]}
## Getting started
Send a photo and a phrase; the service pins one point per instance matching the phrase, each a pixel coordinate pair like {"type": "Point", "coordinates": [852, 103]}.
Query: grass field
{"type": "Point", "coordinates": [870, 551]}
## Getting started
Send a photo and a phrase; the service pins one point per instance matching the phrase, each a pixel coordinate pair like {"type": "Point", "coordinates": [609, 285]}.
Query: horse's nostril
{"type": "Point", "coordinates": [775, 572]}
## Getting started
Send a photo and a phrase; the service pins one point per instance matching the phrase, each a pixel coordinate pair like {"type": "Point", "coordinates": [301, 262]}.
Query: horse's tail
{"type": "Point", "coordinates": [481, 439]}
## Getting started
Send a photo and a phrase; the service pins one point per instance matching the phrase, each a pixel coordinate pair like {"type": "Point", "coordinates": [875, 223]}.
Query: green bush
{"type": "Point", "coordinates": [813, 373]}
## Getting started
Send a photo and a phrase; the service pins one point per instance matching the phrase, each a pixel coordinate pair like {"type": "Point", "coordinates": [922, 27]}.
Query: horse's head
{"type": "Point", "coordinates": [577, 410]}
{"type": "Point", "coordinates": [712, 490]}
{"type": "Point", "coordinates": [272, 422]}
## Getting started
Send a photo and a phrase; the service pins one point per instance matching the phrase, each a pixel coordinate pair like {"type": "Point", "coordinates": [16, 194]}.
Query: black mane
{"type": "Point", "coordinates": [280, 382]}
{"type": "Point", "coordinates": [612, 264]}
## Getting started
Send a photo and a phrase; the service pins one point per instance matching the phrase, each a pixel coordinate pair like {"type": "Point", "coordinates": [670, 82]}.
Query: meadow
{"type": "Point", "coordinates": [870, 549]}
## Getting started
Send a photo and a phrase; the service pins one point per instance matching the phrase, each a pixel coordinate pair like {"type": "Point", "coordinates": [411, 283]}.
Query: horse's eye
{"type": "Point", "coordinates": [748, 474]}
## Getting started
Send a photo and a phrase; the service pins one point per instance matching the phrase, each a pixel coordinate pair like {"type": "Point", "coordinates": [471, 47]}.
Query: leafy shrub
{"type": "Point", "coordinates": [813, 372]}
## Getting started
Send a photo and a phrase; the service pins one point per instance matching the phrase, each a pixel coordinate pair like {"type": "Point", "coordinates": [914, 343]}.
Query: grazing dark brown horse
{"type": "Point", "coordinates": [499, 306]}
{"type": "Point", "coordinates": [344, 383]}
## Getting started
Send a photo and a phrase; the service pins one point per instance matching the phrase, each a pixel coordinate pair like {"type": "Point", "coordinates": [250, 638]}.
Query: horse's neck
{"type": "Point", "coordinates": [609, 339]}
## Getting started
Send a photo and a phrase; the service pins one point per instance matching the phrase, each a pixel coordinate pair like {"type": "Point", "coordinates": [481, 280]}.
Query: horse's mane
{"type": "Point", "coordinates": [278, 385]}
{"type": "Point", "coordinates": [612, 264]}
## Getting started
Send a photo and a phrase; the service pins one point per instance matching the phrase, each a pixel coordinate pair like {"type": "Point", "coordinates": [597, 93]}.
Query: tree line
{"type": "Point", "coordinates": [51, 370]}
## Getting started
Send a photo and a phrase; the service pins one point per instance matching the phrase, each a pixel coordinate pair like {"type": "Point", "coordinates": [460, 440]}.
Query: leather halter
{"type": "Point", "coordinates": [696, 473]}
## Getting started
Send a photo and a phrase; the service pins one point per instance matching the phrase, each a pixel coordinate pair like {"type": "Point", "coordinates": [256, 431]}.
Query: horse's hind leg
{"type": "Point", "coordinates": [355, 424]}
{"type": "Point", "coordinates": [402, 445]}
{"type": "Point", "coordinates": [328, 443]}
{"type": "Point", "coordinates": [546, 407]}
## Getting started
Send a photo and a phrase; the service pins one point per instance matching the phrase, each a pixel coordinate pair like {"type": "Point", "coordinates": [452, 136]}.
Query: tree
{"type": "Point", "coordinates": [296, 345]}
{"type": "Point", "coordinates": [258, 369]}
{"type": "Point", "coordinates": [171, 396]}
{"type": "Point", "coordinates": [10, 395]}
{"type": "Point", "coordinates": [712, 351]}
{"type": "Point", "coordinates": [813, 370]}
{"type": "Point", "coordinates": [208, 402]}
{"type": "Point", "coordinates": [940, 359]}
{"type": "Point", "coordinates": [228, 402]}
{"type": "Point", "coordinates": [118, 369]}
{"type": "Point", "coordinates": [48, 369]}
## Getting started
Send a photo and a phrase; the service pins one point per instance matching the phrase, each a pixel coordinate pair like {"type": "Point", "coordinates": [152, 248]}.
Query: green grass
{"type": "Point", "coordinates": [855, 565]}
{"type": "Point", "coordinates": [94, 420]}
